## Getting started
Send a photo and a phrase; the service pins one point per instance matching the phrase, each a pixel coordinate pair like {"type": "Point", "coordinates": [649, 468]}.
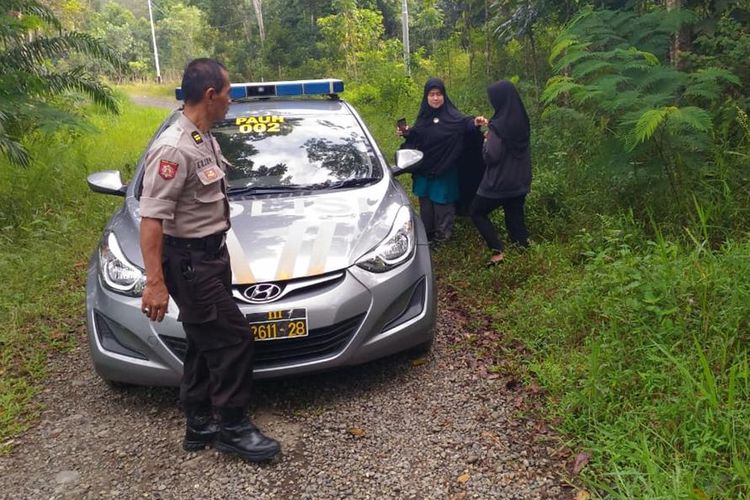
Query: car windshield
{"type": "Point", "coordinates": [296, 152]}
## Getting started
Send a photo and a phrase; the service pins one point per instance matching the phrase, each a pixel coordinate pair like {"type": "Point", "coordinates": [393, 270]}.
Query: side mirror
{"type": "Point", "coordinates": [107, 182]}
{"type": "Point", "coordinates": [406, 158]}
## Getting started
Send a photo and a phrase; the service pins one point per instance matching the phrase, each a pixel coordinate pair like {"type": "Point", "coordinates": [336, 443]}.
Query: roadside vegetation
{"type": "Point", "coordinates": [630, 310]}
{"type": "Point", "coordinates": [49, 225]}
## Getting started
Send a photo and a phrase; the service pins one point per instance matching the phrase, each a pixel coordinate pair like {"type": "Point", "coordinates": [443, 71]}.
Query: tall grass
{"type": "Point", "coordinates": [49, 225]}
{"type": "Point", "coordinates": [641, 344]}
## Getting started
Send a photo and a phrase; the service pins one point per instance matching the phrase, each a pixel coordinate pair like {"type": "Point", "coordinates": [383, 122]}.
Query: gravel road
{"type": "Point", "coordinates": [404, 427]}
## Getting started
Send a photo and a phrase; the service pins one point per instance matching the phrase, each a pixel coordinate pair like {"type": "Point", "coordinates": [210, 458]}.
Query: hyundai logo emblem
{"type": "Point", "coordinates": [262, 292]}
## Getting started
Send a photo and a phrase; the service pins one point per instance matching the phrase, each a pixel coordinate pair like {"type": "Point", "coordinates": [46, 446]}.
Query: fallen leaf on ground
{"type": "Point", "coordinates": [357, 432]}
{"type": "Point", "coordinates": [580, 462]}
{"type": "Point", "coordinates": [463, 477]}
{"type": "Point", "coordinates": [583, 495]}
{"type": "Point", "coordinates": [419, 362]}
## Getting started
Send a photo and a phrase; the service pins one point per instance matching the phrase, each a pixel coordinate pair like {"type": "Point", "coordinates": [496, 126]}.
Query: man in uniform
{"type": "Point", "coordinates": [184, 219]}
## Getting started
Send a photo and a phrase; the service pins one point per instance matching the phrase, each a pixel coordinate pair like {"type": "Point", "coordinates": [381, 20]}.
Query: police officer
{"type": "Point", "coordinates": [184, 219]}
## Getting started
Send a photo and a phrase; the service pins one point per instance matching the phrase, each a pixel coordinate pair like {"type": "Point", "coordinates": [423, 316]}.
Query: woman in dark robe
{"type": "Point", "coordinates": [439, 132]}
{"type": "Point", "coordinates": [507, 178]}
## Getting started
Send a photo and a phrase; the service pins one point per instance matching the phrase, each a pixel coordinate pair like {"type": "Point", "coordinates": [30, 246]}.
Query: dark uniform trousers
{"type": "Point", "coordinates": [218, 368]}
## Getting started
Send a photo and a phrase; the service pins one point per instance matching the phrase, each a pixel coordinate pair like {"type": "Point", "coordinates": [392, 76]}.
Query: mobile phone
{"type": "Point", "coordinates": [401, 124]}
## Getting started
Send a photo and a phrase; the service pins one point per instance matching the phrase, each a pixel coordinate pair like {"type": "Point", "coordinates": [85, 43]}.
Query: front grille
{"type": "Point", "coordinates": [319, 343]}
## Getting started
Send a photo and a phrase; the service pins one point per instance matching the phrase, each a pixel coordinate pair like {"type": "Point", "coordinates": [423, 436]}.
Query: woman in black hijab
{"type": "Point", "coordinates": [438, 132]}
{"type": "Point", "coordinates": [507, 178]}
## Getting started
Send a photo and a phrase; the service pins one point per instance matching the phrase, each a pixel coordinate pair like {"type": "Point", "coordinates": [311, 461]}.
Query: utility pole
{"type": "Point", "coordinates": [153, 38]}
{"type": "Point", "coordinates": [405, 33]}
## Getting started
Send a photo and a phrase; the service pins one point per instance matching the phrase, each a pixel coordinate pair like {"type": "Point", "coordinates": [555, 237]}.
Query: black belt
{"type": "Point", "coordinates": [211, 243]}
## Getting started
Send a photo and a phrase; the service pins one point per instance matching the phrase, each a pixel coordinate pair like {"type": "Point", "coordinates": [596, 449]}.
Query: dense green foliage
{"type": "Point", "coordinates": [32, 90]}
{"type": "Point", "coordinates": [49, 224]}
{"type": "Point", "coordinates": [631, 307]}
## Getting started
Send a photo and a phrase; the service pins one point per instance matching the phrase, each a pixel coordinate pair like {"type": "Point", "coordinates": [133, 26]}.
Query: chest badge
{"type": "Point", "coordinates": [210, 174]}
{"type": "Point", "coordinates": [197, 138]}
{"type": "Point", "coordinates": [167, 169]}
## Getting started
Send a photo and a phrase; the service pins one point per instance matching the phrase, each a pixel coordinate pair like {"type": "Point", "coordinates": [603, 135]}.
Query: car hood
{"type": "Point", "coordinates": [283, 237]}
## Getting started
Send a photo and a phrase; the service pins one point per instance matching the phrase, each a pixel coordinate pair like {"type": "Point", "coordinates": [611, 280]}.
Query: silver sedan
{"type": "Point", "coordinates": [330, 264]}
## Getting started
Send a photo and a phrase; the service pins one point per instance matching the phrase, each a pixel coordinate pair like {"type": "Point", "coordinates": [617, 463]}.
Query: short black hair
{"type": "Point", "coordinates": [201, 74]}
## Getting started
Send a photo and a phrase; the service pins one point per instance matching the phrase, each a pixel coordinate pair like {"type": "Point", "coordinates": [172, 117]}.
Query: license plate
{"type": "Point", "coordinates": [274, 325]}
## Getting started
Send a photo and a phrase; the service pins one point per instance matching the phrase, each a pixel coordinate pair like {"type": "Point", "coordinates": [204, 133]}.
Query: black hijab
{"type": "Point", "coordinates": [510, 120]}
{"type": "Point", "coordinates": [438, 133]}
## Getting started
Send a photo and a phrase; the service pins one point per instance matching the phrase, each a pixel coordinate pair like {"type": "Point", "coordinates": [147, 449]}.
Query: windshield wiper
{"type": "Point", "coordinates": [266, 189]}
{"type": "Point", "coordinates": [360, 181]}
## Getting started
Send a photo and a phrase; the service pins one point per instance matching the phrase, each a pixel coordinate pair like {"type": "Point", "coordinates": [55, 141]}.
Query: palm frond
{"type": "Point", "coordinates": [560, 46]}
{"type": "Point", "coordinates": [79, 81]}
{"type": "Point", "coordinates": [31, 8]}
{"type": "Point", "coordinates": [657, 99]}
{"type": "Point", "coordinates": [694, 117]}
{"type": "Point", "coordinates": [715, 74]}
{"type": "Point", "coordinates": [655, 76]}
{"type": "Point", "coordinates": [622, 101]}
{"type": "Point", "coordinates": [30, 57]}
{"type": "Point", "coordinates": [649, 122]}
{"type": "Point", "coordinates": [586, 68]}
{"type": "Point", "coordinates": [621, 20]}
{"type": "Point", "coordinates": [558, 85]}
{"type": "Point", "coordinates": [564, 113]}
{"type": "Point", "coordinates": [14, 151]}
{"type": "Point", "coordinates": [612, 84]}
{"type": "Point", "coordinates": [572, 57]}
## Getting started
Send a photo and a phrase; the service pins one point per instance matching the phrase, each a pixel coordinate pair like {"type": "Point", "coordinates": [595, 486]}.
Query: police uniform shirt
{"type": "Point", "coordinates": [183, 183]}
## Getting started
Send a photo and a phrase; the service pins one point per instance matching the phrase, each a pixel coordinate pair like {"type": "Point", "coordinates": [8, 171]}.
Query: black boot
{"type": "Point", "coordinates": [238, 436]}
{"type": "Point", "coordinates": [201, 429]}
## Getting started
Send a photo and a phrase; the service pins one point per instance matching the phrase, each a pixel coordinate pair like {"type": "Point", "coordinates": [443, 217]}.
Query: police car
{"type": "Point", "coordinates": [330, 264]}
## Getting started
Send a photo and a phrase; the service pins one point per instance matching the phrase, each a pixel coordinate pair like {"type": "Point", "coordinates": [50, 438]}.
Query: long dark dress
{"type": "Point", "coordinates": [507, 178]}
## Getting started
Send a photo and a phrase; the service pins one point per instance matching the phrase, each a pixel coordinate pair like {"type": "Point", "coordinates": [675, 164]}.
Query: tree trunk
{"type": "Point", "coordinates": [487, 40]}
{"type": "Point", "coordinates": [680, 40]}
{"type": "Point", "coordinates": [258, 6]}
{"type": "Point", "coordinates": [534, 65]}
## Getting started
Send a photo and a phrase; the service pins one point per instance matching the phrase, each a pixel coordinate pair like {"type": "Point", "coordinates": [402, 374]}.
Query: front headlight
{"type": "Point", "coordinates": [396, 248]}
{"type": "Point", "coordinates": [116, 271]}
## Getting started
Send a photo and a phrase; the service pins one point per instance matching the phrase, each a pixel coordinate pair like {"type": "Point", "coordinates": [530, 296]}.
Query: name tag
{"type": "Point", "coordinates": [210, 174]}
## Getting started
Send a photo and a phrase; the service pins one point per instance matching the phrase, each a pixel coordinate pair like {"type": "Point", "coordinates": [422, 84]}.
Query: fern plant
{"type": "Point", "coordinates": [29, 81]}
{"type": "Point", "coordinates": [611, 65]}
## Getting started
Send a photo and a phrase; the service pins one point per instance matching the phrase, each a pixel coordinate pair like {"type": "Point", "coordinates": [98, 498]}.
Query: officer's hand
{"type": "Point", "coordinates": [155, 300]}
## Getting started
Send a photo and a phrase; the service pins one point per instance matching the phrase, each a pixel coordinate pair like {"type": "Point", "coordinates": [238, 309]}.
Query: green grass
{"type": "Point", "coordinates": [642, 346]}
{"type": "Point", "coordinates": [165, 89]}
{"type": "Point", "coordinates": [49, 225]}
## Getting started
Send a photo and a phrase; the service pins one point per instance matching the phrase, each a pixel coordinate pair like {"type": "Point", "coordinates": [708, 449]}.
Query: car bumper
{"type": "Point", "coordinates": [354, 317]}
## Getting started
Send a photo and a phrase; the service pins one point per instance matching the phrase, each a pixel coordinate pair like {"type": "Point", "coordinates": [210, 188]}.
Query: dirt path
{"type": "Point", "coordinates": [401, 428]}
{"type": "Point", "coordinates": [154, 102]}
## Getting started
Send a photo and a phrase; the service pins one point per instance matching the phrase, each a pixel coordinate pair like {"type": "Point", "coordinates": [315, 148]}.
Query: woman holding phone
{"type": "Point", "coordinates": [507, 178]}
{"type": "Point", "coordinates": [439, 133]}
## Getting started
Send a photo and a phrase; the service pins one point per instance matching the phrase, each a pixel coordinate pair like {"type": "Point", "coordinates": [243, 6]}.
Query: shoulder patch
{"type": "Point", "coordinates": [196, 137]}
{"type": "Point", "coordinates": [167, 169]}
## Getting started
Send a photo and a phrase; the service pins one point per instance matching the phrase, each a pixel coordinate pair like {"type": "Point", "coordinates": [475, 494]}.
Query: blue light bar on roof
{"type": "Point", "coordinates": [280, 89]}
